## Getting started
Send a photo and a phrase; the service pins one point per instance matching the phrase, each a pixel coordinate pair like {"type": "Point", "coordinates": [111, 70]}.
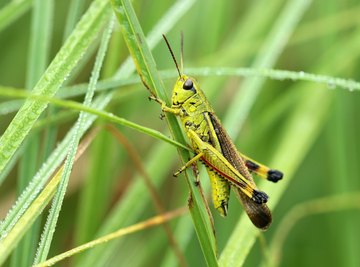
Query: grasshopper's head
{"type": "Point", "coordinates": [185, 87]}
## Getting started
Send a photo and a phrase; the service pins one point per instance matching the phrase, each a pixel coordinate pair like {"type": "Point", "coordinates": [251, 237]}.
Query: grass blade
{"type": "Point", "coordinates": [9, 241]}
{"type": "Point", "coordinates": [27, 219]}
{"type": "Point", "coordinates": [50, 225]}
{"type": "Point", "coordinates": [48, 167]}
{"type": "Point", "coordinates": [146, 68]}
{"type": "Point", "coordinates": [52, 79]}
{"type": "Point", "coordinates": [41, 29]}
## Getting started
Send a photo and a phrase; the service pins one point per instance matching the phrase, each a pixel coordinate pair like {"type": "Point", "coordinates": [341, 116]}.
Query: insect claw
{"type": "Point", "coordinates": [162, 116]}
{"type": "Point", "coordinates": [259, 197]}
{"type": "Point", "coordinates": [225, 208]}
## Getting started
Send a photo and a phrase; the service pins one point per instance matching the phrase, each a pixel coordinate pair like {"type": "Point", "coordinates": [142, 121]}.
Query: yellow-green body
{"type": "Point", "coordinates": [193, 118]}
{"type": "Point", "coordinates": [214, 148]}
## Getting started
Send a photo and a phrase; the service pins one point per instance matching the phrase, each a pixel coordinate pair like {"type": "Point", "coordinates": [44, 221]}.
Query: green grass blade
{"type": "Point", "coordinates": [146, 68]}
{"type": "Point", "coordinates": [95, 194]}
{"type": "Point", "coordinates": [125, 212]}
{"type": "Point", "coordinates": [47, 169]}
{"type": "Point", "coordinates": [53, 161]}
{"type": "Point", "coordinates": [51, 223]}
{"type": "Point", "coordinates": [52, 79]}
{"type": "Point", "coordinates": [27, 219]}
{"type": "Point", "coordinates": [41, 29]}
{"type": "Point", "coordinates": [101, 114]}
{"type": "Point", "coordinates": [281, 75]}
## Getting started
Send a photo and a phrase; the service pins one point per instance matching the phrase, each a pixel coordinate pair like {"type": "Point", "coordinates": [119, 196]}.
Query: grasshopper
{"type": "Point", "coordinates": [212, 146]}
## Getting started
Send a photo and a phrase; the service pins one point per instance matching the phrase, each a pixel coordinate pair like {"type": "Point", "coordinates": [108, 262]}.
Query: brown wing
{"type": "Point", "coordinates": [259, 214]}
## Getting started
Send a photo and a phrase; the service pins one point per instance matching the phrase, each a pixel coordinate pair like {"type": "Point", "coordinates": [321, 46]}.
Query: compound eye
{"type": "Point", "coordinates": [188, 84]}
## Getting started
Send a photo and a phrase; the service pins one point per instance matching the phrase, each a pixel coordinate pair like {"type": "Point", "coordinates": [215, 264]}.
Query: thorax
{"type": "Point", "coordinates": [193, 115]}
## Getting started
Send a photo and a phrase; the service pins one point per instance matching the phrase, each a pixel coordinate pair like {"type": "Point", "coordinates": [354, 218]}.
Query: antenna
{"type": "Point", "coordinates": [182, 51]}
{"type": "Point", "coordinates": [172, 54]}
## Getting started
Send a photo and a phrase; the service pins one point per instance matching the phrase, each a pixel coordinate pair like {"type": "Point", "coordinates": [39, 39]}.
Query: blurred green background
{"type": "Point", "coordinates": [106, 187]}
